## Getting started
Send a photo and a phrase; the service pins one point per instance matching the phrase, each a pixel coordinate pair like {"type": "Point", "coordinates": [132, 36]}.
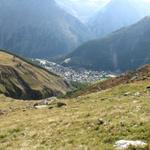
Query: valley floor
{"type": "Point", "coordinates": [91, 122]}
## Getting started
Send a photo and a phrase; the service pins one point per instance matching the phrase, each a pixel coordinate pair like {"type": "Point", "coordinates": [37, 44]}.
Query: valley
{"type": "Point", "coordinates": [72, 75]}
{"type": "Point", "coordinates": [75, 75]}
{"type": "Point", "coordinates": [96, 118]}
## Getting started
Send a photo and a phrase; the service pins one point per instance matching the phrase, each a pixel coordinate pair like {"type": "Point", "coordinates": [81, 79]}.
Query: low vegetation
{"type": "Point", "coordinates": [77, 89]}
{"type": "Point", "coordinates": [94, 121]}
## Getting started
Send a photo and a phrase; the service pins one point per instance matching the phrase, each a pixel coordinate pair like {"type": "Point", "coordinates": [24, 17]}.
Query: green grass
{"type": "Point", "coordinates": [94, 122]}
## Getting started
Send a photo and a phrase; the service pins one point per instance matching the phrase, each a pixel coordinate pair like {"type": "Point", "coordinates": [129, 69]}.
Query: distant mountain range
{"type": "Point", "coordinates": [127, 48]}
{"type": "Point", "coordinates": [117, 14]}
{"type": "Point", "coordinates": [43, 29]}
{"type": "Point", "coordinates": [36, 28]}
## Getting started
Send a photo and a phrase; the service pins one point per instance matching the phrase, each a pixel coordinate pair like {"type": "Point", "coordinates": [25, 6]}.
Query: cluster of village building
{"type": "Point", "coordinates": [80, 75]}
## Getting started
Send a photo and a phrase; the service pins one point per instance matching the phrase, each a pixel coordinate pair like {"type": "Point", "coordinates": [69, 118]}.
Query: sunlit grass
{"type": "Point", "coordinates": [95, 121]}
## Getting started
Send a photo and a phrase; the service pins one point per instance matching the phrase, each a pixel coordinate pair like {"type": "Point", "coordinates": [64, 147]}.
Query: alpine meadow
{"type": "Point", "coordinates": [75, 75]}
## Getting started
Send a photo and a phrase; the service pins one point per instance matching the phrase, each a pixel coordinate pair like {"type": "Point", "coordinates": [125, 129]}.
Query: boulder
{"type": "Point", "coordinates": [125, 144]}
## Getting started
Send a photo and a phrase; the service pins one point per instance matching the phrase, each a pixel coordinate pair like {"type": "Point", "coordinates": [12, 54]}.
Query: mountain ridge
{"type": "Point", "coordinates": [47, 31]}
{"type": "Point", "coordinates": [122, 50]}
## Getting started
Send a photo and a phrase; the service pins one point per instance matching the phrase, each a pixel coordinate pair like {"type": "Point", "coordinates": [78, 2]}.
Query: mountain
{"type": "Point", "coordinates": [127, 48]}
{"type": "Point", "coordinates": [83, 10]}
{"type": "Point", "coordinates": [37, 28]}
{"type": "Point", "coordinates": [21, 79]}
{"type": "Point", "coordinates": [117, 14]}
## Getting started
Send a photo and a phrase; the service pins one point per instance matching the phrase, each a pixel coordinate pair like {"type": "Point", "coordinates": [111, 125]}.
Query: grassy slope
{"type": "Point", "coordinates": [34, 76]}
{"type": "Point", "coordinates": [76, 126]}
{"type": "Point", "coordinates": [26, 60]}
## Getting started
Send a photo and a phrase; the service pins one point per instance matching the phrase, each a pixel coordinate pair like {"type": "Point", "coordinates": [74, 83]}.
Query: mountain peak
{"type": "Point", "coordinates": [115, 15]}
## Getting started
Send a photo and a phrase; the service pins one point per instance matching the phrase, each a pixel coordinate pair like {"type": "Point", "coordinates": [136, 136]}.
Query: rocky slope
{"type": "Point", "coordinates": [139, 75]}
{"type": "Point", "coordinates": [22, 80]}
{"type": "Point", "coordinates": [37, 28]}
{"type": "Point", "coordinates": [122, 50]}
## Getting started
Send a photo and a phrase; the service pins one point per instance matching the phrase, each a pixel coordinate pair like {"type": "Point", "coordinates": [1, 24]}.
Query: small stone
{"type": "Point", "coordinates": [36, 104]}
{"type": "Point", "coordinates": [100, 122]}
{"type": "Point", "coordinates": [2, 112]}
{"type": "Point", "coordinates": [127, 93]}
{"type": "Point", "coordinates": [122, 124]}
{"type": "Point", "coordinates": [52, 98]}
{"type": "Point", "coordinates": [137, 94]}
{"type": "Point", "coordinates": [60, 104]}
{"type": "Point", "coordinates": [148, 88]}
{"type": "Point", "coordinates": [41, 106]}
{"type": "Point", "coordinates": [133, 78]}
{"type": "Point", "coordinates": [50, 107]}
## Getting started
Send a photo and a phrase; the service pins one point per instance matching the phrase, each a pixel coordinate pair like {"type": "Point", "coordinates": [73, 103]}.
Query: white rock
{"type": "Point", "coordinates": [52, 98]}
{"type": "Point", "coordinates": [127, 93]}
{"type": "Point", "coordinates": [41, 106]}
{"type": "Point", "coordinates": [124, 144]}
{"type": "Point", "coordinates": [137, 94]}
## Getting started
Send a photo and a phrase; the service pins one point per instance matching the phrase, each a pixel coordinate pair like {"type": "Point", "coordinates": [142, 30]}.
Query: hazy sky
{"type": "Point", "coordinates": [84, 9]}
{"type": "Point", "coordinates": [91, 3]}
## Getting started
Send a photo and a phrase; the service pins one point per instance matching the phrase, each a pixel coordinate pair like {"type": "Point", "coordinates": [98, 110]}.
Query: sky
{"type": "Point", "coordinates": [83, 9]}
{"type": "Point", "coordinates": [92, 3]}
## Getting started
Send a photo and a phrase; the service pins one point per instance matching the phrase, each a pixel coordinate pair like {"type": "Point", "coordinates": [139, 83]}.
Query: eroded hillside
{"type": "Point", "coordinates": [22, 80]}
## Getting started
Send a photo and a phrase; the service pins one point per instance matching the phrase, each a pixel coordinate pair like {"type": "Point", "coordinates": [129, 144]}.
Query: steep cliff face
{"type": "Point", "coordinates": [21, 80]}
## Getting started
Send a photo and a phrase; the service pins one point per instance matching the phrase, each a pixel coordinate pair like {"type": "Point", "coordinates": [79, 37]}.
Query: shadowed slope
{"type": "Point", "coordinates": [21, 80]}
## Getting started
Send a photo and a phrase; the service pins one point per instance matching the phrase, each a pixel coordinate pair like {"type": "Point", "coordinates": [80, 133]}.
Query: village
{"type": "Point", "coordinates": [69, 74]}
